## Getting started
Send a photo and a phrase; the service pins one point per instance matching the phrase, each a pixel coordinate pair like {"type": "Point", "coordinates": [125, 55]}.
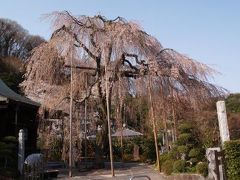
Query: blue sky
{"type": "Point", "coordinates": [208, 31]}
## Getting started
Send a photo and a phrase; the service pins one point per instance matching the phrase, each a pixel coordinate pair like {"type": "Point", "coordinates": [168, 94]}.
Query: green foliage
{"type": "Point", "coordinates": [8, 157]}
{"type": "Point", "coordinates": [208, 140]}
{"type": "Point", "coordinates": [182, 149]}
{"type": "Point", "coordinates": [233, 102]}
{"type": "Point", "coordinates": [117, 151]}
{"type": "Point", "coordinates": [128, 147]}
{"type": "Point", "coordinates": [184, 139]}
{"type": "Point", "coordinates": [194, 160]}
{"type": "Point", "coordinates": [127, 157]}
{"type": "Point", "coordinates": [202, 168]}
{"type": "Point", "coordinates": [148, 149]}
{"type": "Point", "coordinates": [232, 157]}
{"type": "Point", "coordinates": [167, 167]}
{"type": "Point", "coordinates": [191, 169]}
{"type": "Point", "coordinates": [186, 152]}
{"type": "Point", "coordinates": [9, 173]}
{"type": "Point", "coordinates": [173, 154]}
{"type": "Point", "coordinates": [164, 157]}
{"type": "Point", "coordinates": [194, 153]}
{"type": "Point", "coordinates": [179, 166]}
{"type": "Point", "coordinates": [12, 80]}
{"type": "Point", "coordinates": [185, 128]}
{"type": "Point", "coordinates": [10, 139]}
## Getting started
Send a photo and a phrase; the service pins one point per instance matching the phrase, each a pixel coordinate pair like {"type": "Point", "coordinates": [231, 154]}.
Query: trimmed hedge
{"type": "Point", "coordinates": [232, 157]}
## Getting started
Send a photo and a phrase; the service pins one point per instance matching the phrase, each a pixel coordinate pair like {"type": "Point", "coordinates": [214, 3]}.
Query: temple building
{"type": "Point", "coordinates": [18, 112]}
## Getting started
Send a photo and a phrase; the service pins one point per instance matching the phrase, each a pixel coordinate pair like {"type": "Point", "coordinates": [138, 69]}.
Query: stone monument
{"type": "Point", "coordinates": [21, 150]}
{"type": "Point", "coordinates": [214, 155]}
{"type": "Point", "coordinates": [222, 121]}
{"type": "Point", "coordinates": [136, 152]}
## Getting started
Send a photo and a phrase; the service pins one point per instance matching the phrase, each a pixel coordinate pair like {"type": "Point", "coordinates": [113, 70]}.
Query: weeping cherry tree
{"type": "Point", "coordinates": [118, 51]}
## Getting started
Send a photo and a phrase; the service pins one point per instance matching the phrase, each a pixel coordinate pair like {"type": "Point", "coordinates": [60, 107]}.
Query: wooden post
{"type": "Point", "coordinates": [70, 117]}
{"type": "Point", "coordinates": [108, 119]}
{"type": "Point", "coordinates": [166, 130]}
{"type": "Point", "coordinates": [174, 118]}
{"type": "Point", "coordinates": [121, 142]}
{"type": "Point", "coordinates": [120, 116]}
{"type": "Point", "coordinates": [85, 125]}
{"type": "Point", "coordinates": [153, 121]}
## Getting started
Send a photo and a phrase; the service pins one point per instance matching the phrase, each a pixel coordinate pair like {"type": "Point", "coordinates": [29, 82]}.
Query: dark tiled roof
{"type": "Point", "coordinates": [10, 94]}
{"type": "Point", "coordinates": [126, 133]}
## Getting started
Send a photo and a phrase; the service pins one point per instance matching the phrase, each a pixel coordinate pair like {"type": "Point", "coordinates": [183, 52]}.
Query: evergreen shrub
{"type": "Point", "coordinates": [179, 166]}
{"type": "Point", "coordinates": [232, 159]}
{"type": "Point", "coordinates": [202, 168]}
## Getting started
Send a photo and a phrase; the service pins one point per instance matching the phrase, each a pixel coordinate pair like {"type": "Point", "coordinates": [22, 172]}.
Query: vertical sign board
{"type": "Point", "coordinates": [222, 121]}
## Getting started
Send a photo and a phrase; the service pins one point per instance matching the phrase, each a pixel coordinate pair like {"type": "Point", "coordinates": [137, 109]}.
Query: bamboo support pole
{"type": "Point", "coordinates": [153, 122]}
{"type": "Point", "coordinates": [108, 119]}
{"type": "Point", "coordinates": [70, 118]}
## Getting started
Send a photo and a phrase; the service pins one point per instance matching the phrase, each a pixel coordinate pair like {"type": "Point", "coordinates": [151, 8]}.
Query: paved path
{"type": "Point", "coordinates": [123, 172]}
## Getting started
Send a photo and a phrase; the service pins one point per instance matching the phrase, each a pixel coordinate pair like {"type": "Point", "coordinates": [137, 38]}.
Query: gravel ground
{"type": "Point", "coordinates": [122, 172]}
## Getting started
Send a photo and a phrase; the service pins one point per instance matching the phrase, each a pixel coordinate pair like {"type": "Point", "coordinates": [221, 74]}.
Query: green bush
{"type": "Point", "coordinates": [10, 139]}
{"type": "Point", "coordinates": [164, 157]}
{"type": "Point", "coordinates": [127, 157]}
{"type": "Point", "coordinates": [179, 166]}
{"type": "Point", "coordinates": [186, 152]}
{"type": "Point", "coordinates": [232, 157]}
{"type": "Point", "coordinates": [148, 149]}
{"type": "Point", "coordinates": [128, 147]}
{"type": "Point", "coordinates": [167, 167]}
{"type": "Point", "coordinates": [184, 138]}
{"type": "Point", "coordinates": [202, 168]}
{"type": "Point", "coordinates": [9, 173]}
{"type": "Point", "coordinates": [173, 154]}
{"type": "Point", "coordinates": [233, 102]}
{"type": "Point", "coordinates": [117, 151]}
{"type": "Point", "coordinates": [194, 160]}
{"type": "Point", "coordinates": [185, 128]}
{"type": "Point", "coordinates": [182, 149]}
{"type": "Point", "coordinates": [8, 157]}
{"type": "Point", "coordinates": [191, 169]}
{"type": "Point", "coordinates": [195, 153]}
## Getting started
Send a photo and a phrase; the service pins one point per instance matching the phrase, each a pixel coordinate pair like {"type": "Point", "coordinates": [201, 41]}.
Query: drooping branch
{"type": "Point", "coordinates": [142, 62]}
{"type": "Point", "coordinates": [121, 45]}
{"type": "Point", "coordinates": [80, 44]}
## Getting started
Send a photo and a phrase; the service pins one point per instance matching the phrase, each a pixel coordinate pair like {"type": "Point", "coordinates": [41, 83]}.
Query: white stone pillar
{"type": "Point", "coordinates": [21, 150]}
{"type": "Point", "coordinates": [215, 169]}
{"type": "Point", "coordinates": [222, 121]}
